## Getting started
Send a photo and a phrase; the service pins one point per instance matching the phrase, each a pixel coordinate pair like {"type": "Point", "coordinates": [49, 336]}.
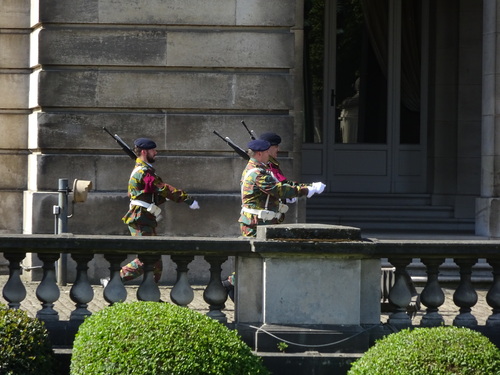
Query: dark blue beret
{"type": "Point", "coordinates": [259, 145]}
{"type": "Point", "coordinates": [144, 143]}
{"type": "Point", "coordinates": [273, 138]}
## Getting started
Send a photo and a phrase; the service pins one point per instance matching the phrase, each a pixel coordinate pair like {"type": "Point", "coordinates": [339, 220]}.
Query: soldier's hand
{"type": "Point", "coordinates": [194, 205]}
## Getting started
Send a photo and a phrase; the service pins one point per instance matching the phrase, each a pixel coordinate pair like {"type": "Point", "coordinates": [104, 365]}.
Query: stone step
{"type": "Point", "coordinates": [409, 223]}
{"type": "Point", "coordinates": [386, 212]}
{"type": "Point", "coordinates": [381, 211]}
{"type": "Point", "coordinates": [349, 199]}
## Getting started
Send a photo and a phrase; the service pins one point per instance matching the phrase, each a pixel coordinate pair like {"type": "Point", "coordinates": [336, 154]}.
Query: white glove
{"type": "Point", "coordinates": [315, 188]}
{"type": "Point", "coordinates": [291, 200]}
{"type": "Point", "coordinates": [194, 205]}
{"type": "Point", "coordinates": [321, 187]}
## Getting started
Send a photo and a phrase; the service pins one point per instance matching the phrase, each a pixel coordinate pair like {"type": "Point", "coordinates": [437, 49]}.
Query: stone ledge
{"type": "Point", "coordinates": [309, 232]}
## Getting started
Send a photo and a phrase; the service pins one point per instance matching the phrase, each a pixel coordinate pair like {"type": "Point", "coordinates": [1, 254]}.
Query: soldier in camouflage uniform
{"type": "Point", "coordinates": [263, 187]}
{"type": "Point", "coordinates": [261, 192]}
{"type": "Point", "coordinates": [146, 191]}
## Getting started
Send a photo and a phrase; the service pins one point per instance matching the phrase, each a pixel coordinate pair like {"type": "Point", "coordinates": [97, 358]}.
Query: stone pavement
{"type": "Point", "coordinates": [64, 305]}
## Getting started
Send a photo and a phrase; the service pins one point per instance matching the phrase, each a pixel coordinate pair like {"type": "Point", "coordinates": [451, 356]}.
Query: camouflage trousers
{"type": "Point", "coordinates": [135, 268]}
{"type": "Point", "coordinates": [248, 230]}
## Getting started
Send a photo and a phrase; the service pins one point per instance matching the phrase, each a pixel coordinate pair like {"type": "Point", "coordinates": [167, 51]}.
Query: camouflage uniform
{"type": "Point", "coordinates": [147, 187]}
{"type": "Point", "coordinates": [258, 188]}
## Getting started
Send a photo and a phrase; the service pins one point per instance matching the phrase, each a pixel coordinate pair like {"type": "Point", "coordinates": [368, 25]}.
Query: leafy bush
{"type": "Point", "coordinates": [141, 338]}
{"type": "Point", "coordinates": [435, 351]}
{"type": "Point", "coordinates": [25, 347]}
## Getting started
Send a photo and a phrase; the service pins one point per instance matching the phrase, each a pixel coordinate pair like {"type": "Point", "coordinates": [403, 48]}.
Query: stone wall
{"type": "Point", "coordinates": [170, 70]}
{"type": "Point", "coordinates": [14, 90]}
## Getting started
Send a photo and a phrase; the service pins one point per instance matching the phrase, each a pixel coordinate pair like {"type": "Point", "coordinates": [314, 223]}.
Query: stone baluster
{"type": "Point", "coordinates": [215, 295]}
{"type": "Point", "coordinates": [14, 291]}
{"type": "Point", "coordinates": [148, 290]}
{"type": "Point", "coordinates": [81, 293]}
{"type": "Point", "coordinates": [400, 294]}
{"type": "Point", "coordinates": [115, 290]}
{"type": "Point", "coordinates": [465, 295]}
{"type": "Point", "coordinates": [432, 296]}
{"type": "Point", "coordinates": [47, 291]}
{"type": "Point", "coordinates": [493, 295]}
{"type": "Point", "coordinates": [182, 294]}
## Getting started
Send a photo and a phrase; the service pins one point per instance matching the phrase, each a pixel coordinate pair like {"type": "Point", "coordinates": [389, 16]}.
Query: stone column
{"type": "Point", "coordinates": [488, 205]}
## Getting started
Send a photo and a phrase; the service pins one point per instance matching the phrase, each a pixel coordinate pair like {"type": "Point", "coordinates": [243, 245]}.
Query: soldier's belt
{"type": "Point", "coordinates": [265, 215]}
{"type": "Point", "coordinates": [151, 207]}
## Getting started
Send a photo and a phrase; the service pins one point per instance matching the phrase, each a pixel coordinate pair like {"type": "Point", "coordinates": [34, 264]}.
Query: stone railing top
{"type": "Point", "coordinates": [98, 244]}
{"type": "Point", "coordinates": [308, 232]}
{"type": "Point", "coordinates": [294, 239]}
{"type": "Point", "coordinates": [481, 248]}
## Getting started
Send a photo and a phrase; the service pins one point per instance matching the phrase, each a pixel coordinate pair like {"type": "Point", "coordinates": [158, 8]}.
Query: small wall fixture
{"type": "Point", "coordinates": [80, 190]}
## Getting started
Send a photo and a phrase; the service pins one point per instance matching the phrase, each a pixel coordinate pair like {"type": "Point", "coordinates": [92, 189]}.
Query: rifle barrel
{"type": "Point", "coordinates": [122, 144]}
{"type": "Point", "coordinates": [248, 130]}
{"type": "Point", "coordinates": [107, 131]}
{"type": "Point", "coordinates": [218, 135]}
{"type": "Point", "coordinates": [234, 146]}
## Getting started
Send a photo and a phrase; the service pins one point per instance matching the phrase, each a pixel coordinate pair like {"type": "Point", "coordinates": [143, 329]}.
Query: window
{"type": "Point", "coordinates": [370, 54]}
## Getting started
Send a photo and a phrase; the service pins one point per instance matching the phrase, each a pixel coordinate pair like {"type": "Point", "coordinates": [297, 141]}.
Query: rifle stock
{"type": "Point", "coordinates": [234, 146]}
{"type": "Point", "coordinates": [122, 144]}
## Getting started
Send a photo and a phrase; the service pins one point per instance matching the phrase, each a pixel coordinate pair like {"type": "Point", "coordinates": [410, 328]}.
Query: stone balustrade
{"type": "Point", "coordinates": [432, 253]}
{"type": "Point", "coordinates": [257, 261]}
{"type": "Point", "coordinates": [115, 250]}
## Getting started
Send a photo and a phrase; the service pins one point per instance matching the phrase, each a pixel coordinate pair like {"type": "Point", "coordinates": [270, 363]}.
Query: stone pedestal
{"type": "Point", "coordinates": [307, 275]}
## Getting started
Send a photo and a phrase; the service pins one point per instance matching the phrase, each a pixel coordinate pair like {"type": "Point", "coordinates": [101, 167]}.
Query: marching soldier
{"type": "Point", "coordinates": [147, 191]}
{"type": "Point", "coordinates": [261, 192]}
{"type": "Point", "coordinates": [263, 187]}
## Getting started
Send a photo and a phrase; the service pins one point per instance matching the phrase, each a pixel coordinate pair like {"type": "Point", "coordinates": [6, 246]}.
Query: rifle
{"type": "Point", "coordinates": [122, 144]}
{"type": "Point", "coordinates": [234, 146]}
{"type": "Point", "coordinates": [249, 131]}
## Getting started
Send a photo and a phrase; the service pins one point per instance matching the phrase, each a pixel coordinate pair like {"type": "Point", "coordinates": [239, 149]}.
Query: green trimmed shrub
{"type": "Point", "coordinates": [430, 351]}
{"type": "Point", "coordinates": [140, 338]}
{"type": "Point", "coordinates": [25, 347]}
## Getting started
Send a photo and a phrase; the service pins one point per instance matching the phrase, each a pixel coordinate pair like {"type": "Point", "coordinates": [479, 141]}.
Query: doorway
{"type": "Point", "coordinates": [365, 79]}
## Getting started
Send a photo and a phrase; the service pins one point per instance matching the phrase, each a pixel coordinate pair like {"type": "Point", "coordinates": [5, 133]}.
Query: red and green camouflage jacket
{"type": "Point", "coordinates": [257, 183]}
{"type": "Point", "coordinates": [145, 185]}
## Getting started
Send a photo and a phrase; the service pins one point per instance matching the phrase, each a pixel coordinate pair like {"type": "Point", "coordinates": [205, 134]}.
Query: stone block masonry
{"type": "Point", "coordinates": [173, 71]}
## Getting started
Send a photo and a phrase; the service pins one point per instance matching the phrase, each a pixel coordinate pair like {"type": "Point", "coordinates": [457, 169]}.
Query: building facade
{"type": "Point", "coordinates": [385, 101]}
